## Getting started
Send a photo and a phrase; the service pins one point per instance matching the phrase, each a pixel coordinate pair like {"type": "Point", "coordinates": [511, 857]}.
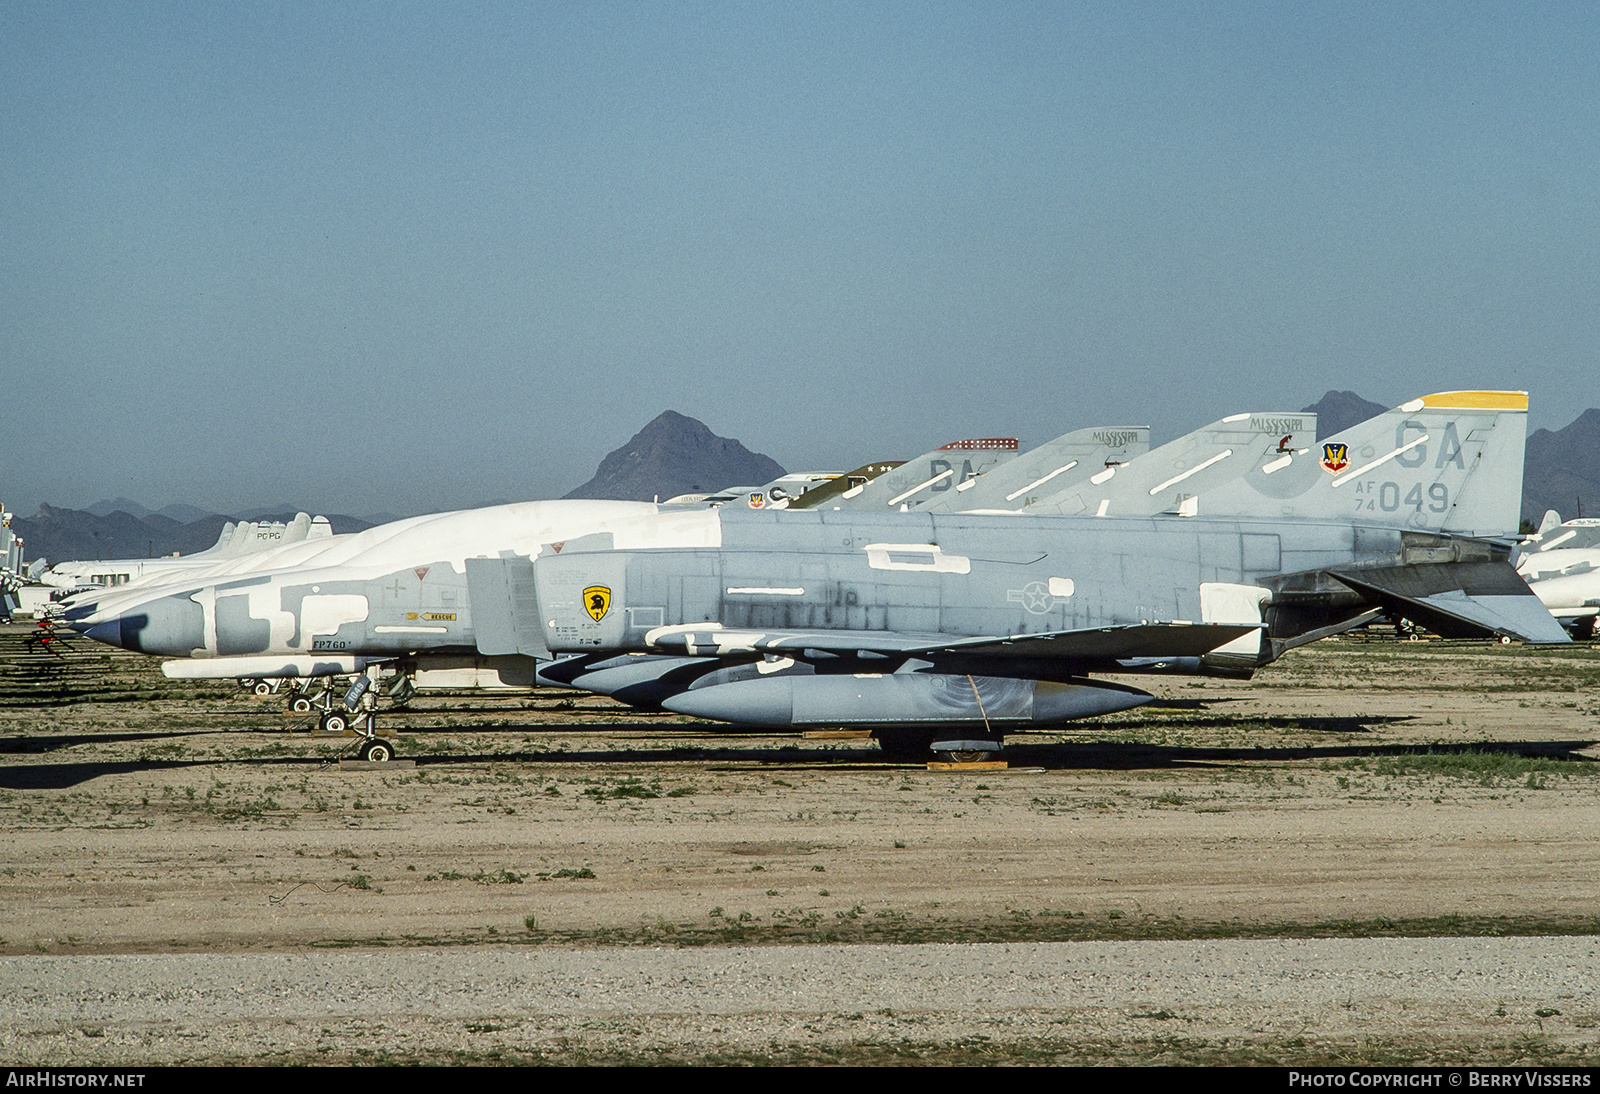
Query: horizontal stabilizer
{"type": "Point", "coordinates": [1461, 599]}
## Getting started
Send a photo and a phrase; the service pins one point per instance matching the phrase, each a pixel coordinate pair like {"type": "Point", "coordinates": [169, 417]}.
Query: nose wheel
{"type": "Point", "coordinates": [376, 750]}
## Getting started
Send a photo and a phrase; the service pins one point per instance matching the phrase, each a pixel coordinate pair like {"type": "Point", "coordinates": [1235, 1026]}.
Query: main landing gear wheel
{"type": "Point", "coordinates": [964, 756]}
{"type": "Point", "coordinates": [956, 748]}
{"type": "Point", "coordinates": [334, 721]}
{"type": "Point", "coordinates": [377, 750]}
{"type": "Point", "coordinates": [300, 705]}
{"type": "Point", "coordinates": [262, 688]}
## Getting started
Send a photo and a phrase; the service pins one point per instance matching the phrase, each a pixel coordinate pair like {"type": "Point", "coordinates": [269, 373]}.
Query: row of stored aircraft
{"type": "Point", "coordinates": [941, 603]}
{"type": "Point", "coordinates": [235, 541]}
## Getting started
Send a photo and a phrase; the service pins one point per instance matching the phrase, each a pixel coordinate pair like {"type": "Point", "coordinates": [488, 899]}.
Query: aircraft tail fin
{"type": "Point", "coordinates": [849, 484]}
{"type": "Point", "coordinates": [929, 476]}
{"type": "Point", "coordinates": [224, 537]}
{"type": "Point", "coordinates": [1448, 462]}
{"type": "Point", "coordinates": [1040, 471]}
{"type": "Point", "coordinates": [1168, 479]}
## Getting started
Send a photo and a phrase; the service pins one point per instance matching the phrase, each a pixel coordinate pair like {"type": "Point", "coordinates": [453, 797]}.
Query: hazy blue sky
{"type": "Point", "coordinates": [412, 257]}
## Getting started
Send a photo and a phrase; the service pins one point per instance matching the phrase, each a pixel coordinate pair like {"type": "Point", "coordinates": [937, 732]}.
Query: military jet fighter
{"type": "Point", "coordinates": [941, 630]}
{"type": "Point", "coordinates": [235, 541]}
{"type": "Point", "coordinates": [1561, 564]}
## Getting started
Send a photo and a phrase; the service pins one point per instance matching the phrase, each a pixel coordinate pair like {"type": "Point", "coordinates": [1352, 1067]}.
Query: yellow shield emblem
{"type": "Point", "coordinates": [597, 601]}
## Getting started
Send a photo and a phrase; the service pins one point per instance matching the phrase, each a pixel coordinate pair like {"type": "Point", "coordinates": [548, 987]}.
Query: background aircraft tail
{"type": "Point", "coordinates": [1040, 471]}
{"type": "Point", "coordinates": [929, 476]}
{"type": "Point", "coordinates": [1167, 479]}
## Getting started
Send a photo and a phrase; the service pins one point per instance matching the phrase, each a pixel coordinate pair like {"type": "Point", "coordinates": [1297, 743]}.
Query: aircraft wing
{"type": "Point", "coordinates": [1087, 644]}
{"type": "Point", "coordinates": [1461, 599]}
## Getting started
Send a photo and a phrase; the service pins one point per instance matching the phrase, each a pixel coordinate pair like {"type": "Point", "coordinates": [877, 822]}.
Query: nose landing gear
{"type": "Point", "coordinates": [357, 713]}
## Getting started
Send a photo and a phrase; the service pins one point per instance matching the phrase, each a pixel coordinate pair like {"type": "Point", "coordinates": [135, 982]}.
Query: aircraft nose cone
{"type": "Point", "coordinates": [171, 625]}
{"type": "Point", "coordinates": [109, 632]}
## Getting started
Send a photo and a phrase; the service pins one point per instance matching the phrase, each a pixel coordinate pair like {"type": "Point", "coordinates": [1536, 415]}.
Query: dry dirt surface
{"type": "Point", "coordinates": [1409, 823]}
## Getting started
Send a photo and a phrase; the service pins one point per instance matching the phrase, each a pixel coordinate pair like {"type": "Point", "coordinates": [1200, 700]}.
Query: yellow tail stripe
{"type": "Point", "coordinates": [1478, 400]}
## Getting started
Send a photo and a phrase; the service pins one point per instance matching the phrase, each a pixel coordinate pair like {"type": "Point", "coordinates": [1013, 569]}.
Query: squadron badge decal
{"type": "Point", "coordinates": [1335, 457]}
{"type": "Point", "coordinates": [597, 601]}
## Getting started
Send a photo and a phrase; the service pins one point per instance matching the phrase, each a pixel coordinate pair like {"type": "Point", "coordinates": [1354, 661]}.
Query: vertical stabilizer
{"type": "Point", "coordinates": [928, 477]}
{"type": "Point", "coordinates": [1449, 462]}
{"type": "Point", "coordinates": [1169, 478]}
{"type": "Point", "coordinates": [1040, 471]}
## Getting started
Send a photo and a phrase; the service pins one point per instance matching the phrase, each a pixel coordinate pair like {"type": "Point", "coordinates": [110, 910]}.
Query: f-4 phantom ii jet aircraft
{"type": "Point", "coordinates": [236, 541]}
{"type": "Point", "coordinates": [935, 630]}
{"type": "Point", "coordinates": [1562, 566]}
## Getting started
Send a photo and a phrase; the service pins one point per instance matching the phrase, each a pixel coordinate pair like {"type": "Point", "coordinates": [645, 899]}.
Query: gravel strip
{"type": "Point", "coordinates": [987, 978]}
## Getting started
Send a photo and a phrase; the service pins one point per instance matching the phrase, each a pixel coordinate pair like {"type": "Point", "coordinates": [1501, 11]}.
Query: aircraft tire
{"type": "Point", "coordinates": [964, 756]}
{"type": "Point", "coordinates": [334, 721]}
{"type": "Point", "coordinates": [377, 751]}
{"type": "Point", "coordinates": [300, 705]}
{"type": "Point", "coordinates": [262, 688]}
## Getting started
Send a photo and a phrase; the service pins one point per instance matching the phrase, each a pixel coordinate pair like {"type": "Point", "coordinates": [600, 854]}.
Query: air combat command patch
{"type": "Point", "coordinates": [1335, 457]}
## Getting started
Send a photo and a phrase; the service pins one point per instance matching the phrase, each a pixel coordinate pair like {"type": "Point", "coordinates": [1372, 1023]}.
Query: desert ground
{"type": "Point", "coordinates": [1375, 851]}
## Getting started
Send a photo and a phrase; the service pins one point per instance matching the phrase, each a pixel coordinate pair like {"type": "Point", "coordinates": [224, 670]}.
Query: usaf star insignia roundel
{"type": "Point", "coordinates": [597, 601]}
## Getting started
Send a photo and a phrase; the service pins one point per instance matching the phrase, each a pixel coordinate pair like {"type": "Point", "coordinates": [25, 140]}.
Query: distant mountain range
{"type": "Point", "coordinates": [1337, 411]}
{"type": "Point", "coordinates": [675, 454]}
{"type": "Point", "coordinates": [1563, 470]}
